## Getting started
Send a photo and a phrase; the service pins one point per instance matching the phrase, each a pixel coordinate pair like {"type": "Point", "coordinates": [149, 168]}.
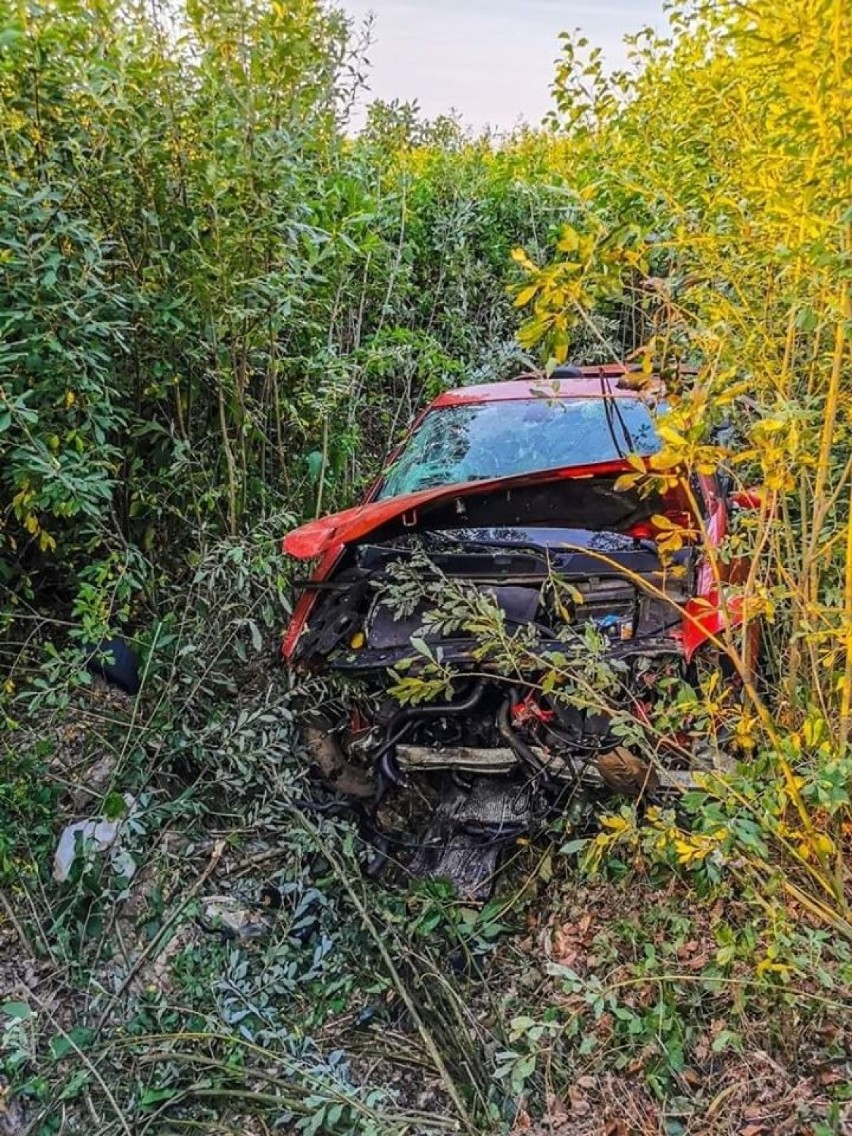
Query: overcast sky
{"type": "Point", "coordinates": [492, 60]}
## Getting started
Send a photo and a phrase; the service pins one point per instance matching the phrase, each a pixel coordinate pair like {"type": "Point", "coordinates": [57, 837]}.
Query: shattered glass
{"type": "Point", "coordinates": [457, 444]}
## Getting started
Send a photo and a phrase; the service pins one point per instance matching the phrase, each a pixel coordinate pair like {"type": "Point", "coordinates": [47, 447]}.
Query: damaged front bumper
{"type": "Point", "coordinates": [494, 746]}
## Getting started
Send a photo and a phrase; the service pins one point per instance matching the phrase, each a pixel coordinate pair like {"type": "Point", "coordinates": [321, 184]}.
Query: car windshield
{"type": "Point", "coordinates": [476, 441]}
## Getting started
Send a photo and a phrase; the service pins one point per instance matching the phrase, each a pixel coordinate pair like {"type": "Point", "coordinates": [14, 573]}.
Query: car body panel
{"type": "Point", "coordinates": [411, 510]}
{"type": "Point", "coordinates": [326, 538]}
{"type": "Point", "coordinates": [613, 381]}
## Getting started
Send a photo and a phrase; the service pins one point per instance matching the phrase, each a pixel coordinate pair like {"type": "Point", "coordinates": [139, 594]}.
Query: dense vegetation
{"type": "Point", "coordinates": [218, 310]}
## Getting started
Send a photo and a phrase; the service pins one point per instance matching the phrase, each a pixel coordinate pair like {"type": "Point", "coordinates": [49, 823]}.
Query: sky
{"type": "Point", "coordinates": [490, 60]}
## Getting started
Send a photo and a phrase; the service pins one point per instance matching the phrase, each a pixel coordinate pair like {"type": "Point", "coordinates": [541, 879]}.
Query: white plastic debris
{"type": "Point", "coordinates": [95, 835]}
{"type": "Point", "coordinates": [231, 919]}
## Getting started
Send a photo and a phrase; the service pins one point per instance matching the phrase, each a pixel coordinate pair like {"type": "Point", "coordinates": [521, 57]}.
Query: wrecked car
{"type": "Point", "coordinates": [501, 619]}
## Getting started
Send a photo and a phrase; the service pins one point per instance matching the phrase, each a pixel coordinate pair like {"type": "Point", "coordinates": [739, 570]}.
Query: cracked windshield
{"type": "Point", "coordinates": [502, 439]}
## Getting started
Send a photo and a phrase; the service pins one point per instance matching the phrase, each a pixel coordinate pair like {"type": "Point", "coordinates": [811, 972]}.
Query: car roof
{"type": "Point", "coordinates": [615, 380]}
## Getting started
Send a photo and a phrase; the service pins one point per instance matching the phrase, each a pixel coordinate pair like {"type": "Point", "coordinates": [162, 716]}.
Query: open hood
{"type": "Point", "coordinates": [582, 497]}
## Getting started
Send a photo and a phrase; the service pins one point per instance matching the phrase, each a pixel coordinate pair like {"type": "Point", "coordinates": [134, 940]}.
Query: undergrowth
{"type": "Point", "coordinates": [608, 981]}
{"type": "Point", "coordinates": [218, 311]}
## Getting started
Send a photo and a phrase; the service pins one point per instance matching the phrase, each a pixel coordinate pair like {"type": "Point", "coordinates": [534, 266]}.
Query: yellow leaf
{"type": "Point", "coordinates": [615, 823]}
{"type": "Point", "coordinates": [768, 965]}
{"type": "Point", "coordinates": [569, 241]}
{"type": "Point", "coordinates": [812, 731]}
{"type": "Point", "coordinates": [525, 295]}
{"type": "Point", "coordinates": [668, 434]}
{"type": "Point", "coordinates": [627, 481]}
{"type": "Point", "coordinates": [823, 845]}
{"type": "Point", "coordinates": [70, 398]}
{"type": "Point", "coordinates": [520, 257]}
{"type": "Point", "coordinates": [687, 852]}
{"type": "Point", "coordinates": [665, 459]}
{"type": "Point", "coordinates": [768, 426]}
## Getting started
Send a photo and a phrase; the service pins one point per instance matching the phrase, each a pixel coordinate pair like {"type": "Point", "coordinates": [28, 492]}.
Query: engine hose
{"type": "Point", "coordinates": [403, 719]}
{"type": "Point", "coordinates": [524, 753]}
{"type": "Point", "coordinates": [439, 710]}
{"type": "Point", "coordinates": [389, 771]}
{"type": "Point", "coordinates": [582, 752]}
{"type": "Point", "coordinates": [402, 722]}
{"type": "Point", "coordinates": [390, 742]}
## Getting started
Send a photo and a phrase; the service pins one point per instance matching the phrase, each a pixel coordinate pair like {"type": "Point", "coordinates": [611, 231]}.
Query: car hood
{"type": "Point", "coordinates": [576, 496]}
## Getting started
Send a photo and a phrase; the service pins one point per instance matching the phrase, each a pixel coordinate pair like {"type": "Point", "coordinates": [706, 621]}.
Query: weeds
{"type": "Point", "coordinates": [217, 312]}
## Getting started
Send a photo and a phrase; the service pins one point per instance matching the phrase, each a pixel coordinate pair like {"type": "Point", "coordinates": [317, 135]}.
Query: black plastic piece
{"type": "Point", "coordinates": [271, 897]}
{"type": "Point", "coordinates": [114, 661]}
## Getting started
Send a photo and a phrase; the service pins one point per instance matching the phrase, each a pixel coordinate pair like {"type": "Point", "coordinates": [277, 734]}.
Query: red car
{"type": "Point", "coordinates": [506, 492]}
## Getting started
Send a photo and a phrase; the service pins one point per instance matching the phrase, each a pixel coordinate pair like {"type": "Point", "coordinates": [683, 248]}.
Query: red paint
{"type": "Point", "coordinates": [704, 617]}
{"type": "Point", "coordinates": [529, 711]}
{"type": "Point", "coordinates": [596, 382]}
{"type": "Point", "coordinates": [307, 600]}
{"type": "Point", "coordinates": [352, 525]}
{"type": "Point", "coordinates": [748, 499]}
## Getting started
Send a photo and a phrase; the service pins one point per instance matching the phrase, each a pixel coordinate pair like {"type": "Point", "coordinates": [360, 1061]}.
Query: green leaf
{"type": "Point", "coordinates": [76, 1038]}
{"type": "Point", "coordinates": [19, 1010]}
{"type": "Point", "coordinates": [77, 1081]}
{"type": "Point", "coordinates": [151, 1097]}
{"type": "Point", "coordinates": [115, 806]}
{"type": "Point", "coordinates": [315, 463]}
{"type": "Point", "coordinates": [572, 847]}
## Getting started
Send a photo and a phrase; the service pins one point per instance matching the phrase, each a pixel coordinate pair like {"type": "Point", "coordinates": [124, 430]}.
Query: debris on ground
{"type": "Point", "coordinates": [83, 838]}
{"type": "Point", "coordinates": [232, 919]}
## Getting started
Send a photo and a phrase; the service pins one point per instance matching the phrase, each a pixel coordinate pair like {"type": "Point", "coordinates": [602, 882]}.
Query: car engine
{"type": "Point", "coordinates": [444, 641]}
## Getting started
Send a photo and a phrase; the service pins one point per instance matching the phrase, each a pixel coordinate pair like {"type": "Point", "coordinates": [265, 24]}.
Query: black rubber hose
{"type": "Point", "coordinates": [388, 768]}
{"type": "Point", "coordinates": [438, 710]}
{"type": "Point", "coordinates": [404, 719]}
{"type": "Point", "coordinates": [389, 743]}
{"type": "Point", "coordinates": [524, 753]}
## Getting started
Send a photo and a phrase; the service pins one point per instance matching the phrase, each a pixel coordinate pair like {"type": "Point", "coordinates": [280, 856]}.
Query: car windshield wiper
{"type": "Point", "coordinates": [611, 411]}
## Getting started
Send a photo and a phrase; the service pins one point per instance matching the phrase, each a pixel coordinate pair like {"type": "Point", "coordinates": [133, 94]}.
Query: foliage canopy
{"type": "Point", "coordinates": [218, 309]}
